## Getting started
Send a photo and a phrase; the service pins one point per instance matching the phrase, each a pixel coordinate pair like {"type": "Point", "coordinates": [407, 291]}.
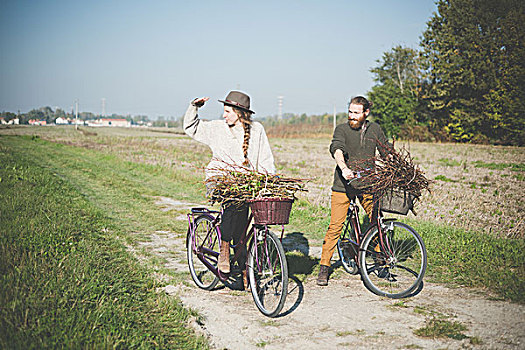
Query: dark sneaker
{"type": "Point", "coordinates": [383, 273]}
{"type": "Point", "coordinates": [322, 278]}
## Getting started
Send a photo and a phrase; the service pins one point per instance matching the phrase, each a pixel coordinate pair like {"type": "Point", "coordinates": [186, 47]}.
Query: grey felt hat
{"type": "Point", "coordinates": [238, 99]}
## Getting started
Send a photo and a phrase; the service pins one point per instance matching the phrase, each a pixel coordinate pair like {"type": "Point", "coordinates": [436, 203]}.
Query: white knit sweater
{"type": "Point", "coordinates": [226, 143]}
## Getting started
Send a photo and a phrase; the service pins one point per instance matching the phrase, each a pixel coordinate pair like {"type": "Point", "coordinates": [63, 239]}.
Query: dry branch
{"type": "Point", "coordinates": [394, 171]}
{"type": "Point", "coordinates": [240, 184]}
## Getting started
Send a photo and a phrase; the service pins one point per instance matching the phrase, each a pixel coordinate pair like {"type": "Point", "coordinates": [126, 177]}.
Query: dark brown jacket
{"type": "Point", "coordinates": [357, 146]}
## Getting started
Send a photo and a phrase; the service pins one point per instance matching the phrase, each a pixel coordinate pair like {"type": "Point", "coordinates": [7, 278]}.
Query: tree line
{"type": "Point", "coordinates": [466, 81]}
{"type": "Point", "coordinates": [50, 116]}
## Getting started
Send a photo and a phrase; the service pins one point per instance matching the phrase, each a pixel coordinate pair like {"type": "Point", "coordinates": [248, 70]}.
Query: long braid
{"type": "Point", "coordinates": [246, 120]}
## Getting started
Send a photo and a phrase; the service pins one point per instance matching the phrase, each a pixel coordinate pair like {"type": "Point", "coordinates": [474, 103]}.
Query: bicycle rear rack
{"type": "Point", "coordinates": [203, 210]}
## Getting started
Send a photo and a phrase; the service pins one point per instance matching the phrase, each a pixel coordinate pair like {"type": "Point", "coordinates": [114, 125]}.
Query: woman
{"type": "Point", "coordinates": [234, 140]}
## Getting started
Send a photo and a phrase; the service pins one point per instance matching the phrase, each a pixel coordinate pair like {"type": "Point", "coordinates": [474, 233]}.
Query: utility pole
{"type": "Point", "coordinates": [76, 115]}
{"type": "Point", "coordinates": [280, 98]}
{"type": "Point", "coordinates": [103, 107]}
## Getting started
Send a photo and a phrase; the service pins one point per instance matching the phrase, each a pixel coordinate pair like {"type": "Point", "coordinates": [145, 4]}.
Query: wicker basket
{"type": "Point", "coordinates": [271, 211]}
{"type": "Point", "coordinates": [397, 202]}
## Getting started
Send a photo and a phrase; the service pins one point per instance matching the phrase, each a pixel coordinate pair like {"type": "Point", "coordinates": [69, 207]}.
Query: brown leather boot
{"type": "Point", "coordinates": [322, 278]}
{"type": "Point", "coordinates": [224, 257]}
{"type": "Point", "coordinates": [245, 279]}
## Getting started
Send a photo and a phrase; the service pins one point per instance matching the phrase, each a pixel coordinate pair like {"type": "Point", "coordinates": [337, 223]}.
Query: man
{"type": "Point", "coordinates": [353, 143]}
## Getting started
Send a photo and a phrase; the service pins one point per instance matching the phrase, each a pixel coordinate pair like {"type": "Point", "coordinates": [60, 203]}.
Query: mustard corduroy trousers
{"type": "Point", "coordinates": [339, 209]}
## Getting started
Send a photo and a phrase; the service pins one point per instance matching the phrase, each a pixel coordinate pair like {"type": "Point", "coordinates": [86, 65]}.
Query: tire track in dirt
{"type": "Point", "coordinates": [342, 315]}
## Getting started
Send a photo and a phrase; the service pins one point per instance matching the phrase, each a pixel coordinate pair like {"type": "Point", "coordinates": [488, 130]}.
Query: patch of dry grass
{"type": "Point", "coordinates": [475, 197]}
{"type": "Point", "coordinates": [466, 194]}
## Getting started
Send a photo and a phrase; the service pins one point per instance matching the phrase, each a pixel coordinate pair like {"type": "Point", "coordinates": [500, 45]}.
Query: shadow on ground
{"type": "Point", "coordinates": [296, 241]}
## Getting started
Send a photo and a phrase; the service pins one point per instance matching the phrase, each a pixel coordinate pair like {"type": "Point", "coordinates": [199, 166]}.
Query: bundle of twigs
{"type": "Point", "coordinates": [393, 171]}
{"type": "Point", "coordinates": [240, 184]}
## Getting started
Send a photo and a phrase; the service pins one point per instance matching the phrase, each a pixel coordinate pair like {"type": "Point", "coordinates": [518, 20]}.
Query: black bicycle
{"type": "Point", "coordinates": [390, 255]}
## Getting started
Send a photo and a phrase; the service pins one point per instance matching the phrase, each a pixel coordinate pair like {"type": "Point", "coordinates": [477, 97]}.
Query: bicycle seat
{"type": "Point", "coordinates": [200, 210]}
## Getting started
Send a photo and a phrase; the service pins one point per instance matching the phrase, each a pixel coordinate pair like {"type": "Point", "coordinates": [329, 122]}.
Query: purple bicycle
{"type": "Point", "coordinates": [266, 264]}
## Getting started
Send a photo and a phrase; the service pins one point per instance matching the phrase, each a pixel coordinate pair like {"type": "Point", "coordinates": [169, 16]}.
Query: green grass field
{"type": "Point", "coordinates": [67, 279]}
{"type": "Point", "coordinates": [70, 207]}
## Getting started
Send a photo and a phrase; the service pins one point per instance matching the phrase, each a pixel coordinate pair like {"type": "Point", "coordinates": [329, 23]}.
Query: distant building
{"type": "Point", "coordinates": [142, 124]}
{"type": "Point", "coordinates": [61, 120]}
{"type": "Point", "coordinates": [77, 122]}
{"type": "Point", "coordinates": [14, 121]}
{"type": "Point", "coordinates": [37, 122]}
{"type": "Point", "coordinates": [109, 122]}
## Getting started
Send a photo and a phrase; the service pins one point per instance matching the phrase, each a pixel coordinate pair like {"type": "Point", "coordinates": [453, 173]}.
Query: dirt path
{"type": "Point", "coordinates": [342, 315]}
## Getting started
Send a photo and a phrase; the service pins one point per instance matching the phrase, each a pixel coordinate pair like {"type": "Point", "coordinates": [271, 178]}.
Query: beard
{"type": "Point", "coordinates": [356, 123]}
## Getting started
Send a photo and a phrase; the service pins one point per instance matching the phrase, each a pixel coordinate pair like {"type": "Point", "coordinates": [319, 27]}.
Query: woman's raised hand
{"type": "Point", "coordinates": [199, 102]}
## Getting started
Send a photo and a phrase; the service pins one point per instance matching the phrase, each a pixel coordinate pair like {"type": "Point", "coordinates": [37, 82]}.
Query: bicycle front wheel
{"type": "Point", "coordinates": [267, 272]}
{"type": "Point", "coordinates": [204, 240]}
{"type": "Point", "coordinates": [393, 265]}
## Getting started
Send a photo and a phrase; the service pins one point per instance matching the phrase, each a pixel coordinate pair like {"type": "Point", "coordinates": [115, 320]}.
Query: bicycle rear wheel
{"type": "Point", "coordinates": [267, 272]}
{"type": "Point", "coordinates": [205, 239]}
{"type": "Point", "coordinates": [393, 266]}
{"type": "Point", "coordinates": [348, 251]}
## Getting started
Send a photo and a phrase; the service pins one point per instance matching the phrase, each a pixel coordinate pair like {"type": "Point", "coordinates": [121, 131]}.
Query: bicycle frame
{"type": "Point", "coordinates": [203, 253]}
{"type": "Point", "coordinates": [352, 219]}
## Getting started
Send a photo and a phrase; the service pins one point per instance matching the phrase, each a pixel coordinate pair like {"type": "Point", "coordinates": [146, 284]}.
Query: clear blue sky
{"type": "Point", "coordinates": [153, 57]}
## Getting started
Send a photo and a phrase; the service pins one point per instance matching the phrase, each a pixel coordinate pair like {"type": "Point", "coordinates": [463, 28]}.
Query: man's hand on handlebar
{"type": "Point", "coordinates": [347, 173]}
